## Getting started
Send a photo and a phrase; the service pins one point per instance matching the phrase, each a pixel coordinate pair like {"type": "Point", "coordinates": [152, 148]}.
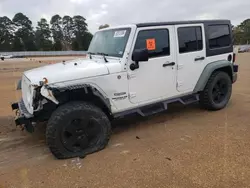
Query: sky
{"type": "Point", "coordinates": [119, 12]}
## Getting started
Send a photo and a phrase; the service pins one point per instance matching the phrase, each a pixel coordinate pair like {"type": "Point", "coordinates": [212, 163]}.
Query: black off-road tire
{"type": "Point", "coordinates": [206, 97]}
{"type": "Point", "coordinates": [64, 113]}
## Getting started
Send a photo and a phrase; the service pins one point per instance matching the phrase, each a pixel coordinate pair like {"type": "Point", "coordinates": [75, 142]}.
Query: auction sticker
{"type": "Point", "coordinates": [120, 33]}
{"type": "Point", "coordinates": [150, 44]}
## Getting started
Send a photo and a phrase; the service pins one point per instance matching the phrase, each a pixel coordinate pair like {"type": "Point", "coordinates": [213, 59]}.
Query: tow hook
{"type": "Point", "coordinates": [14, 106]}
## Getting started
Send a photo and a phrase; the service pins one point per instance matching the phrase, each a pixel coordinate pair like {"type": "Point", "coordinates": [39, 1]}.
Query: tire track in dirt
{"type": "Point", "coordinates": [18, 146]}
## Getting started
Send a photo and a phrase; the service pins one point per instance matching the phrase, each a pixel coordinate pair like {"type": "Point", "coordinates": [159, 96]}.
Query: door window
{"type": "Point", "coordinates": [190, 39]}
{"type": "Point", "coordinates": [156, 41]}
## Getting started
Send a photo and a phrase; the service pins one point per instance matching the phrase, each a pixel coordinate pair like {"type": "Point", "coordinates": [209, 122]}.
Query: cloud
{"type": "Point", "coordinates": [116, 12]}
{"type": "Point", "coordinates": [104, 6]}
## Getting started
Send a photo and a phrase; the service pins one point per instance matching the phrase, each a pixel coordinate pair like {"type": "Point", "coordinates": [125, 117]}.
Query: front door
{"type": "Point", "coordinates": [191, 55]}
{"type": "Point", "coordinates": [155, 79]}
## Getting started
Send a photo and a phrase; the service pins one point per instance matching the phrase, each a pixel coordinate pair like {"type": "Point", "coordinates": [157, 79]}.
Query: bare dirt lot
{"type": "Point", "coordinates": [183, 147]}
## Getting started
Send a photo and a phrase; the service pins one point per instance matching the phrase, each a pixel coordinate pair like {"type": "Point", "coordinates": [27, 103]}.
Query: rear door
{"type": "Point", "coordinates": [191, 55]}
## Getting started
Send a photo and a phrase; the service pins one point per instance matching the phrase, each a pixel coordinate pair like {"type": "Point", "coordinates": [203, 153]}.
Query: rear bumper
{"type": "Point", "coordinates": [23, 117]}
{"type": "Point", "coordinates": [235, 73]}
{"type": "Point", "coordinates": [235, 77]}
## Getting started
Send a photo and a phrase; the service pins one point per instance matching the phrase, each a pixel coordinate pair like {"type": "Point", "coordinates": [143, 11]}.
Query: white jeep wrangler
{"type": "Point", "coordinates": [138, 68]}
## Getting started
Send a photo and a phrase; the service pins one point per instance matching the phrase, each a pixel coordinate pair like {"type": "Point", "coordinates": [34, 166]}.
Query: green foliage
{"type": "Point", "coordinates": [70, 33]}
{"type": "Point", "coordinates": [242, 33]}
{"type": "Point", "coordinates": [57, 46]}
{"type": "Point", "coordinates": [24, 33]}
{"type": "Point", "coordinates": [61, 33]}
{"type": "Point", "coordinates": [6, 34]}
{"type": "Point", "coordinates": [17, 44]}
{"type": "Point", "coordinates": [43, 35]}
{"type": "Point", "coordinates": [57, 32]}
{"type": "Point", "coordinates": [81, 35]}
{"type": "Point", "coordinates": [75, 45]}
{"type": "Point", "coordinates": [66, 33]}
{"type": "Point", "coordinates": [86, 40]}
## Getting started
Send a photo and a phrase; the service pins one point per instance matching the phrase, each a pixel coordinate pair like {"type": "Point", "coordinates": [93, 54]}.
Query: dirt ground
{"type": "Point", "coordinates": [183, 147]}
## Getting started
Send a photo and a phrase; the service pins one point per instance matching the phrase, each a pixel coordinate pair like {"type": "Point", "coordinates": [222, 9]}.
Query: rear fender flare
{"type": "Point", "coordinates": [207, 72]}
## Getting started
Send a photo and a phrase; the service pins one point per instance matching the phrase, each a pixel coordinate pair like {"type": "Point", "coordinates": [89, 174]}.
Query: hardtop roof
{"type": "Point", "coordinates": [149, 24]}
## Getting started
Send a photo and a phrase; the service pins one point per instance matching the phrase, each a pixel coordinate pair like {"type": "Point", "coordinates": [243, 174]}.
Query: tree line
{"type": "Point", "coordinates": [66, 33]}
{"type": "Point", "coordinates": [60, 33]}
{"type": "Point", "coordinates": [241, 33]}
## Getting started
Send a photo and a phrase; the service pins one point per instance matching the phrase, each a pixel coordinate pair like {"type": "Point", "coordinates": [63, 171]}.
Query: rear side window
{"type": "Point", "coordinates": [156, 41]}
{"type": "Point", "coordinates": [190, 39]}
{"type": "Point", "coordinates": [219, 36]}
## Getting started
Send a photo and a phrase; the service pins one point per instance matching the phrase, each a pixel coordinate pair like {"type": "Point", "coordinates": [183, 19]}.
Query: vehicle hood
{"type": "Point", "coordinates": [69, 70]}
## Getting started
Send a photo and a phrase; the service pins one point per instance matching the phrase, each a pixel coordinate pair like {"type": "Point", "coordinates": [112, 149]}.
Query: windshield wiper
{"type": "Point", "coordinates": [103, 54]}
{"type": "Point", "coordinates": [90, 53]}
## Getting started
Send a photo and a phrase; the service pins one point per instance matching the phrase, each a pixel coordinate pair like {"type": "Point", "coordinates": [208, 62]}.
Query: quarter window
{"type": "Point", "coordinates": [156, 41]}
{"type": "Point", "coordinates": [190, 39]}
{"type": "Point", "coordinates": [219, 36]}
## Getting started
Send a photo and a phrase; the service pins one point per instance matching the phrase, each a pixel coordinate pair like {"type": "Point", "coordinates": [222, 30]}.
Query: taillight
{"type": "Point", "coordinates": [234, 57]}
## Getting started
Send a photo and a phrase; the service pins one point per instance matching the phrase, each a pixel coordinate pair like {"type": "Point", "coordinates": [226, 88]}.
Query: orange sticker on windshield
{"type": "Point", "coordinates": [150, 44]}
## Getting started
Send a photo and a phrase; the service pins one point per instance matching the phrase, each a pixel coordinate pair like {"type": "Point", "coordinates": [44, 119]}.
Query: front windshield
{"type": "Point", "coordinates": [110, 42]}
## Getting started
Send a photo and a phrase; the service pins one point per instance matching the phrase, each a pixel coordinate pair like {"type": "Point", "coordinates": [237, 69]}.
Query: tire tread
{"type": "Point", "coordinates": [56, 117]}
{"type": "Point", "coordinates": [204, 96]}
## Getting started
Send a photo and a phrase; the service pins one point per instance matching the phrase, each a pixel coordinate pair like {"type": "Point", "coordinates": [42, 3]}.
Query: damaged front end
{"type": "Point", "coordinates": [23, 117]}
{"type": "Point", "coordinates": [43, 103]}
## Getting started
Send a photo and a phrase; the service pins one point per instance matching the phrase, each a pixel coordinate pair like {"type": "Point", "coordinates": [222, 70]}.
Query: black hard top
{"type": "Point", "coordinates": [149, 24]}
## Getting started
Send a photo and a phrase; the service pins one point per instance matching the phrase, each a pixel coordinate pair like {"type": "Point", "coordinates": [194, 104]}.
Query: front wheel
{"type": "Point", "coordinates": [217, 92]}
{"type": "Point", "coordinates": [77, 129]}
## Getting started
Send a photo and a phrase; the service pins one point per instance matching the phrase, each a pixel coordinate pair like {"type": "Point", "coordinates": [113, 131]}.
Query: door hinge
{"type": "Point", "coordinates": [179, 84]}
{"type": "Point", "coordinates": [179, 66]}
{"type": "Point", "coordinates": [131, 75]}
{"type": "Point", "coordinates": [132, 95]}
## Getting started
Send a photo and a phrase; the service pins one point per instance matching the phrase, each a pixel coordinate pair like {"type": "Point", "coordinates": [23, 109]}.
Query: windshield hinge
{"type": "Point", "coordinates": [105, 59]}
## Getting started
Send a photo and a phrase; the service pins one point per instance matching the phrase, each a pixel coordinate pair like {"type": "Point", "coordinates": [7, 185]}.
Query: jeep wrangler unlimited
{"type": "Point", "coordinates": [138, 68]}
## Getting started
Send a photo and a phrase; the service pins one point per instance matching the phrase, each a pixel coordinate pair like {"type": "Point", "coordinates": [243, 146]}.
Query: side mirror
{"type": "Point", "coordinates": [137, 56]}
{"type": "Point", "coordinates": [140, 55]}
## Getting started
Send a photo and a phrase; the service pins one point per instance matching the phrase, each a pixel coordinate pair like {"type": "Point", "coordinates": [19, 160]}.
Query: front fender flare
{"type": "Point", "coordinates": [86, 87]}
{"type": "Point", "coordinates": [47, 93]}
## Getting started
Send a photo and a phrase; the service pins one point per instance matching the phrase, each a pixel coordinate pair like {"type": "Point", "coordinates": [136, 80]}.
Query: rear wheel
{"type": "Point", "coordinates": [217, 92]}
{"type": "Point", "coordinates": [77, 129]}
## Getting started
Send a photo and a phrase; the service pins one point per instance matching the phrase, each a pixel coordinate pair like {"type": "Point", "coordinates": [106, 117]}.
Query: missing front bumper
{"type": "Point", "coordinates": [22, 118]}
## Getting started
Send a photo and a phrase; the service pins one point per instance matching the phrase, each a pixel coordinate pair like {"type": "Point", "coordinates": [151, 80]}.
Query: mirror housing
{"type": "Point", "coordinates": [140, 55]}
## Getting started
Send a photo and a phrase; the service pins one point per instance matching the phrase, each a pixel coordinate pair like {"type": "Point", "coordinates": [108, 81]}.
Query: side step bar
{"type": "Point", "coordinates": [159, 107]}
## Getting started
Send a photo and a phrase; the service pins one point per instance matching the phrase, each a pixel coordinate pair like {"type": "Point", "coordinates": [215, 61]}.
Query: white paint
{"type": "Point", "coordinates": [149, 84]}
{"type": "Point", "coordinates": [189, 70]}
{"type": "Point", "coordinates": [70, 70]}
{"type": "Point", "coordinates": [48, 95]}
{"type": "Point", "coordinates": [152, 81]}
{"type": "Point", "coordinates": [27, 92]}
